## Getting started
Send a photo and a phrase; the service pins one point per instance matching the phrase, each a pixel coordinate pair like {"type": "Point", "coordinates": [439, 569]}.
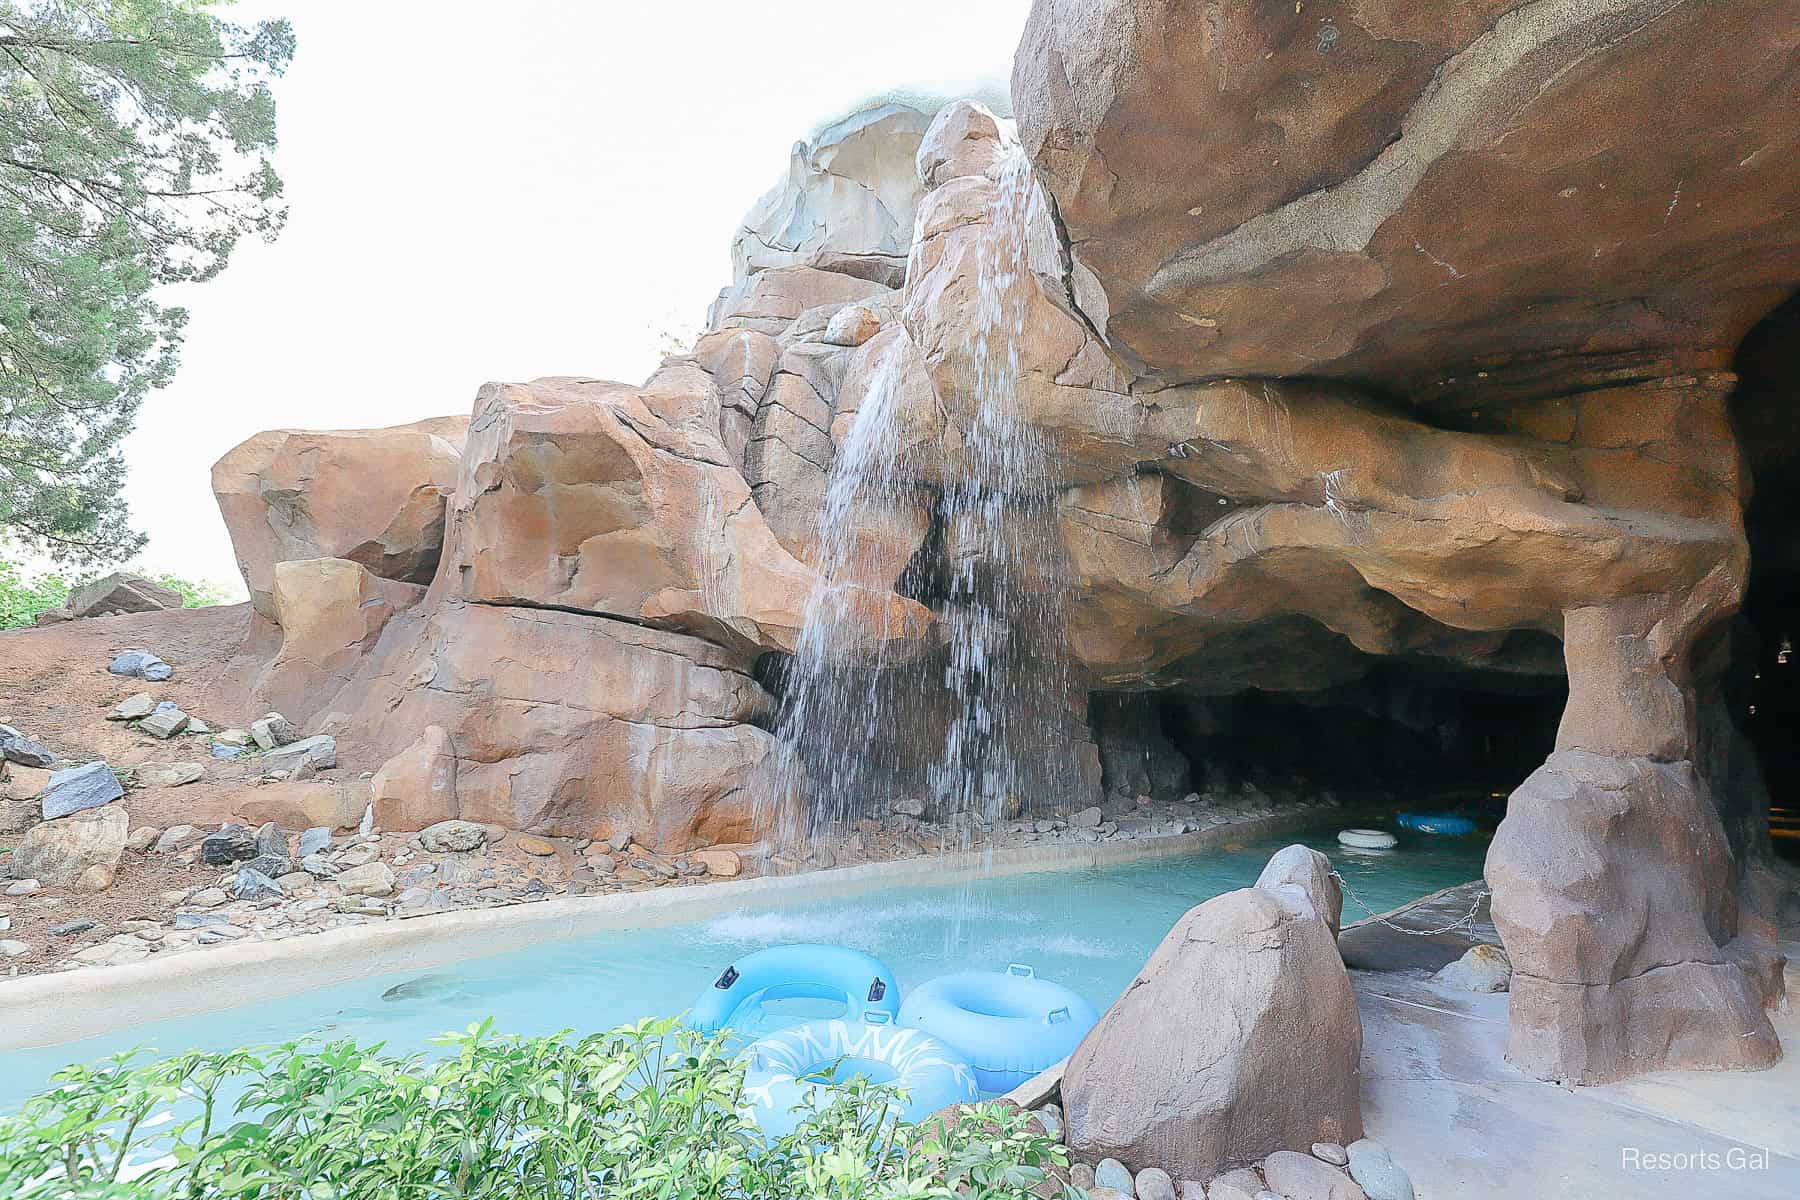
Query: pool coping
{"type": "Point", "coordinates": [69, 1006]}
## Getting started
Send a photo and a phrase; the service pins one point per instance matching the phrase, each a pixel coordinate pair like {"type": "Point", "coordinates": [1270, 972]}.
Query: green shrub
{"type": "Point", "coordinates": [23, 597]}
{"type": "Point", "coordinates": [649, 1111]}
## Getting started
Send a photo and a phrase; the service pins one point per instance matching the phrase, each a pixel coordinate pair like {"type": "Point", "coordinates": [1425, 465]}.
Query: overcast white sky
{"type": "Point", "coordinates": [505, 190]}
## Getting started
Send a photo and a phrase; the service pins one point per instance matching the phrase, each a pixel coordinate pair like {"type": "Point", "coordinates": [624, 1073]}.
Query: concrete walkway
{"type": "Point", "coordinates": [1438, 1093]}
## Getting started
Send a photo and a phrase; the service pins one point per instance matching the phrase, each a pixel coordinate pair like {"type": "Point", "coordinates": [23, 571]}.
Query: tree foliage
{"type": "Point", "coordinates": [134, 152]}
{"type": "Point", "coordinates": [651, 1111]}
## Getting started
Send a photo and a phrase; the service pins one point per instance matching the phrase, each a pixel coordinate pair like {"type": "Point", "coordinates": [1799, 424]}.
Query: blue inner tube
{"type": "Point", "coordinates": [787, 1067]}
{"type": "Point", "coordinates": [1010, 1025]}
{"type": "Point", "coordinates": [860, 982]}
{"type": "Point", "coordinates": [1444, 823]}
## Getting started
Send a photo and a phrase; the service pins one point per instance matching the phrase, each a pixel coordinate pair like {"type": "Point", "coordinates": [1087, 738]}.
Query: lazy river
{"type": "Point", "coordinates": [1089, 928]}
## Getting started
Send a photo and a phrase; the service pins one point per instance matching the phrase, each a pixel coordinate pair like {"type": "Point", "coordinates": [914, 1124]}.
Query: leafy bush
{"type": "Point", "coordinates": [23, 596]}
{"type": "Point", "coordinates": [650, 1111]}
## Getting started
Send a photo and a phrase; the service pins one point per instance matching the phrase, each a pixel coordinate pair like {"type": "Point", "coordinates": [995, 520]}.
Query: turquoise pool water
{"type": "Point", "coordinates": [1090, 929]}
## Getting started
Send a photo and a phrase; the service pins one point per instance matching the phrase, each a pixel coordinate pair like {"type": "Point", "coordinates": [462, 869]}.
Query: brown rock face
{"type": "Point", "coordinates": [372, 496]}
{"type": "Point", "coordinates": [1486, 215]}
{"type": "Point", "coordinates": [563, 723]}
{"type": "Point", "coordinates": [331, 612]}
{"type": "Point", "coordinates": [1412, 190]}
{"type": "Point", "coordinates": [1240, 1036]}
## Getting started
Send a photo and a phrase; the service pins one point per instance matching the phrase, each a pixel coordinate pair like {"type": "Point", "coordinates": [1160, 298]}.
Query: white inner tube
{"type": "Point", "coordinates": [1367, 839]}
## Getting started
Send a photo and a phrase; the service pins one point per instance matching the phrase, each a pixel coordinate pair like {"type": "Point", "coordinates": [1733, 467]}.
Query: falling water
{"type": "Point", "coordinates": [978, 723]}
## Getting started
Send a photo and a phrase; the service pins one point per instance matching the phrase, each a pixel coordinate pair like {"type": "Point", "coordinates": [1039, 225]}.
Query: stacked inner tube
{"type": "Point", "coordinates": [781, 1086]}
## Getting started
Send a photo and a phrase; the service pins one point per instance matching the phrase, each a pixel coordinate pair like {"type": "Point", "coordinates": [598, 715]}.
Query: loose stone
{"type": "Point", "coordinates": [273, 731]}
{"type": "Point", "coordinates": [231, 844]}
{"type": "Point", "coordinates": [1380, 1176]}
{"type": "Point", "coordinates": [210, 897]}
{"type": "Point", "coordinates": [252, 884]}
{"type": "Point", "coordinates": [23, 887]}
{"type": "Point", "coordinates": [532, 844]}
{"type": "Point", "coordinates": [168, 775]}
{"type": "Point", "coordinates": [133, 708]}
{"type": "Point", "coordinates": [1112, 1173]}
{"type": "Point", "coordinates": [1153, 1183]}
{"type": "Point", "coordinates": [314, 840]}
{"type": "Point", "coordinates": [448, 837]}
{"type": "Point", "coordinates": [17, 748]}
{"type": "Point", "coordinates": [165, 722]}
{"type": "Point", "coordinates": [76, 788]}
{"type": "Point", "coordinates": [1330, 1152]}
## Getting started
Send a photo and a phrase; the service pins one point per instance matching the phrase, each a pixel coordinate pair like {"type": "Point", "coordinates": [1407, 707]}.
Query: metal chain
{"type": "Point", "coordinates": [1467, 920]}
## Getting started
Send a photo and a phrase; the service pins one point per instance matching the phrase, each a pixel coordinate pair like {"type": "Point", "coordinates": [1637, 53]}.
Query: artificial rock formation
{"type": "Point", "coordinates": [1340, 337]}
{"type": "Point", "coordinates": [1239, 1037]}
{"type": "Point", "coordinates": [372, 496]}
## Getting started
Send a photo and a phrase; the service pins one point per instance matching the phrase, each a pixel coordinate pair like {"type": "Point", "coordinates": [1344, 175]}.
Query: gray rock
{"type": "Point", "coordinates": [23, 887]}
{"type": "Point", "coordinates": [120, 592]}
{"type": "Point", "coordinates": [27, 753]}
{"type": "Point", "coordinates": [318, 866]}
{"type": "Point", "coordinates": [1191, 1189]}
{"type": "Point", "coordinates": [231, 844]}
{"type": "Point", "coordinates": [1332, 1153]}
{"type": "Point", "coordinates": [1240, 1184]}
{"type": "Point", "coordinates": [414, 876]}
{"type": "Point", "coordinates": [1111, 1173]}
{"type": "Point", "coordinates": [908, 806]}
{"type": "Point", "coordinates": [133, 708]}
{"type": "Point", "coordinates": [164, 722]}
{"type": "Point", "coordinates": [141, 664]}
{"type": "Point", "coordinates": [1087, 818]}
{"type": "Point", "coordinates": [210, 897]}
{"type": "Point", "coordinates": [1303, 1177]}
{"type": "Point", "coordinates": [200, 920]}
{"type": "Point", "coordinates": [318, 752]}
{"type": "Point", "coordinates": [273, 731]}
{"type": "Point", "coordinates": [272, 865]}
{"type": "Point", "coordinates": [1153, 1183]}
{"type": "Point", "coordinates": [1050, 1117]}
{"type": "Point", "coordinates": [270, 840]}
{"type": "Point", "coordinates": [12, 949]}
{"type": "Point", "coordinates": [75, 788]}
{"type": "Point", "coordinates": [222, 751]}
{"type": "Point", "coordinates": [1380, 1176]}
{"type": "Point", "coordinates": [1081, 1175]}
{"type": "Point", "coordinates": [71, 928]}
{"type": "Point", "coordinates": [314, 841]}
{"type": "Point", "coordinates": [447, 837]}
{"type": "Point", "coordinates": [251, 884]}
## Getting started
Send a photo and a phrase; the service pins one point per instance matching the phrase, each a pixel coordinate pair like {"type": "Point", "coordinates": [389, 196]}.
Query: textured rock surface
{"type": "Point", "coordinates": [1606, 876]}
{"type": "Point", "coordinates": [846, 204]}
{"type": "Point", "coordinates": [78, 851]}
{"type": "Point", "coordinates": [1409, 192]}
{"type": "Point", "coordinates": [373, 496]}
{"type": "Point", "coordinates": [1239, 1037]}
{"type": "Point", "coordinates": [120, 592]}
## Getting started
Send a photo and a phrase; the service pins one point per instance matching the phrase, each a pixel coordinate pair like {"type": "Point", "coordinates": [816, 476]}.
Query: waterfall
{"type": "Point", "coordinates": [976, 724]}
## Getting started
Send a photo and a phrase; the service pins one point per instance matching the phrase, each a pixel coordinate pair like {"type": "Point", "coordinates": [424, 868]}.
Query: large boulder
{"type": "Point", "coordinates": [79, 851]}
{"type": "Point", "coordinates": [120, 592]}
{"type": "Point", "coordinates": [846, 204]}
{"type": "Point", "coordinates": [1238, 1038]}
{"type": "Point", "coordinates": [1613, 890]}
{"type": "Point", "coordinates": [599, 497]}
{"type": "Point", "coordinates": [373, 496]}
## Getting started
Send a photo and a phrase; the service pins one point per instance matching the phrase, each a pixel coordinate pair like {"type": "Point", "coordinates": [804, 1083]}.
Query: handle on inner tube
{"type": "Point", "coordinates": [876, 1016]}
{"type": "Point", "coordinates": [1021, 970]}
{"type": "Point", "coordinates": [1057, 1016]}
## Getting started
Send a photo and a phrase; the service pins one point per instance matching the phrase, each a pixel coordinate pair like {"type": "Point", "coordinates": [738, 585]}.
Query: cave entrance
{"type": "Point", "coordinates": [1760, 689]}
{"type": "Point", "coordinates": [1400, 738]}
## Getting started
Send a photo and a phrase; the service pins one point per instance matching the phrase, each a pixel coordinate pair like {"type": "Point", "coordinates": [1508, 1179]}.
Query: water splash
{"type": "Point", "coordinates": [977, 725]}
